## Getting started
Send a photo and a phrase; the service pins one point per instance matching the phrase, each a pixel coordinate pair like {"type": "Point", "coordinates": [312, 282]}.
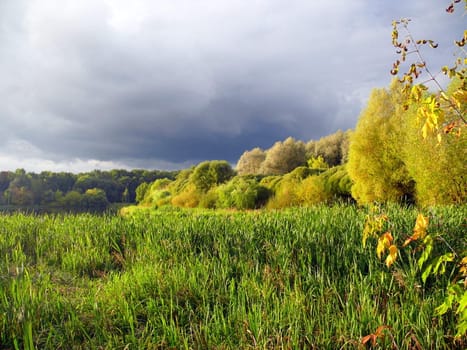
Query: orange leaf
{"type": "Point", "coordinates": [374, 336]}
{"type": "Point", "coordinates": [371, 337]}
{"type": "Point", "coordinates": [380, 330]}
{"type": "Point", "coordinates": [463, 269]}
{"type": "Point", "coordinates": [408, 240]}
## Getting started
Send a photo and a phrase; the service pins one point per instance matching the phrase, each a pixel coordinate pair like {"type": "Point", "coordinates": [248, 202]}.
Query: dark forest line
{"type": "Point", "coordinates": [90, 191]}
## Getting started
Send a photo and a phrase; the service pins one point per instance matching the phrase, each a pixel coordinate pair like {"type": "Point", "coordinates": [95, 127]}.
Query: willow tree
{"type": "Point", "coordinates": [437, 168]}
{"type": "Point", "coordinates": [250, 162]}
{"type": "Point", "coordinates": [376, 165]}
{"type": "Point", "coordinates": [283, 157]}
{"type": "Point", "coordinates": [334, 148]}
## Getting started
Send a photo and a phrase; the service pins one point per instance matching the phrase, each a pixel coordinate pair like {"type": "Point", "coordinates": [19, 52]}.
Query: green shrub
{"type": "Point", "coordinates": [242, 193]}
{"type": "Point", "coordinates": [158, 193]}
{"type": "Point", "coordinates": [188, 198]}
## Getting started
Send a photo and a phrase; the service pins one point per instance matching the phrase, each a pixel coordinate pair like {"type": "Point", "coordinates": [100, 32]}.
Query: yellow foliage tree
{"type": "Point", "coordinates": [375, 165]}
{"type": "Point", "coordinates": [437, 168]}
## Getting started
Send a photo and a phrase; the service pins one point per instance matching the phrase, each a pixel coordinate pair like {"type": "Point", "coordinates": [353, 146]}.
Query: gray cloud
{"type": "Point", "coordinates": [147, 83]}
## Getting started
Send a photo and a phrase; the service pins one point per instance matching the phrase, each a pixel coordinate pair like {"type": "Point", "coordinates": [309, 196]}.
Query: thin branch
{"type": "Point", "coordinates": [417, 50]}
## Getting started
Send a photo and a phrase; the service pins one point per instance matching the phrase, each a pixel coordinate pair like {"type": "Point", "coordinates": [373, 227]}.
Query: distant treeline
{"type": "Point", "coordinates": [90, 191]}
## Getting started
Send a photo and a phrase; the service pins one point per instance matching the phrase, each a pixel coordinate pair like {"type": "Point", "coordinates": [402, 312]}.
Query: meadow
{"type": "Point", "coordinates": [199, 279]}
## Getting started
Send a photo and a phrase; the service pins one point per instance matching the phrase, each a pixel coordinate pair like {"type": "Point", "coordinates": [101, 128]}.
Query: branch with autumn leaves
{"type": "Point", "coordinates": [428, 263]}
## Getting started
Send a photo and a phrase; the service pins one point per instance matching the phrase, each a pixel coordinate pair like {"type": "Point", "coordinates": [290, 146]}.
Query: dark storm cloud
{"type": "Point", "coordinates": [171, 83]}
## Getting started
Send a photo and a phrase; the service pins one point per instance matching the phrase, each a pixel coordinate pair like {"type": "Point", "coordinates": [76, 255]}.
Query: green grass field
{"type": "Point", "coordinates": [291, 279]}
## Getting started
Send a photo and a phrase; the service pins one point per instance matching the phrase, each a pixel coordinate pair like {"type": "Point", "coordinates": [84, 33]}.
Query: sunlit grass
{"type": "Point", "coordinates": [297, 278]}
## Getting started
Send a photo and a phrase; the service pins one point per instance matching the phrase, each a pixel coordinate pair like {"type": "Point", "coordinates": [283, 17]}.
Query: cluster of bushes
{"type": "Point", "coordinates": [290, 173]}
{"type": "Point", "coordinates": [304, 186]}
{"type": "Point", "coordinates": [214, 184]}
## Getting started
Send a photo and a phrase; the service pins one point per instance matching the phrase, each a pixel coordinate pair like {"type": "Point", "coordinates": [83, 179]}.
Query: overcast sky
{"type": "Point", "coordinates": [156, 84]}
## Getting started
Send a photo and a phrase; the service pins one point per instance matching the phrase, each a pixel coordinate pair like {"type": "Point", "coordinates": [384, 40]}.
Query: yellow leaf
{"type": "Point", "coordinates": [422, 113]}
{"type": "Point", "coordinates": [391, 258]}
{"type": "Point", "coordinates": [425, 131]}
{"type": "Point", "coordinates": [380, 248]}
{"type": "Point", "coordinates": [461, 96]}
{"type": "Point", "coordinates": [421, 226]}
{"type": "Point", "coordinates": [463, 269]}
{"type": "Point", "coordinates": [384, 241]}
{"type": "Point", "coordinates": [373, 225]}
{"type": "Point", "coordinates": [416, 93]}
